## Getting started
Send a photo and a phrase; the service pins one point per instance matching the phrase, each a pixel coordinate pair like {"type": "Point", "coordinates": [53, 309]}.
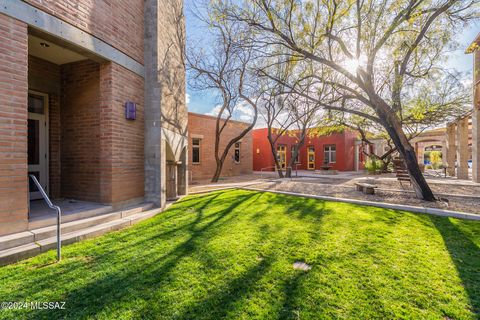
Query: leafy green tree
{"type": "Point", "coordinates": [381, 54]}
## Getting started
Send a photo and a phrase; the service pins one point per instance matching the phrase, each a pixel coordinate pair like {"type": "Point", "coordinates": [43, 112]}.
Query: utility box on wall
{"type": "Point", "coordinates": [130, 110]}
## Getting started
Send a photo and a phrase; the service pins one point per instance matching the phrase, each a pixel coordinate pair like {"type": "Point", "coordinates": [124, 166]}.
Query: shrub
{"type": "Point", "coordinates": [436, 159]}
{"type": "Point", "coordinates": [373, 165]}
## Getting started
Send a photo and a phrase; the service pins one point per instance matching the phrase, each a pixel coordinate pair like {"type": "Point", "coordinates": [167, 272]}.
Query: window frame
{"type": "Point", "coordinates": [329, 152]}
{"type": "Point", "coordinates": [235, 149]}
{"type": "Point", "coordinates": [196, 146]}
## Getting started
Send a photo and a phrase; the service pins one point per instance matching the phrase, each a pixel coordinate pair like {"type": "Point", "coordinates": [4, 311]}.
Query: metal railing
{"type": "Point", "coordinates": [59, 215]}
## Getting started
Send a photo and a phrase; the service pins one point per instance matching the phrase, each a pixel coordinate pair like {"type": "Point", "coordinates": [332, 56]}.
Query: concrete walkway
{"type": "Point", "coordinates": [356, 175]}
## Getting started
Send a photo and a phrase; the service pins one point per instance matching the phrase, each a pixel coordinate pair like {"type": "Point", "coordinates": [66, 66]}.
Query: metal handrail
{"type": "Point", "coordinates": [59, 215]}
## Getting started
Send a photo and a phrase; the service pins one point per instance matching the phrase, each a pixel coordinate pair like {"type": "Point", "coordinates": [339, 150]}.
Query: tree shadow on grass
{"type": "Point", "coordinates": [129, 238]}
{"type": "Point", "coordinates": [298, 207]}
{"type": "Point", "coordinates": [227, 298]}
{"type": "Point", "coordinates": [465, 255]}
{"type": "Point", "coordinates": [136, 279]}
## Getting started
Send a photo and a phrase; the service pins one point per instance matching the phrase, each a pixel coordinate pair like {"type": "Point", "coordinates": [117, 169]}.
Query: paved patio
{"type": "Point", "coordinates": [455, 194]}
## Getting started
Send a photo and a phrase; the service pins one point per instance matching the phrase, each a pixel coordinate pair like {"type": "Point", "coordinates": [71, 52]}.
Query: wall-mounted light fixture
{"type": "Point", "coordinates": [130, 110]}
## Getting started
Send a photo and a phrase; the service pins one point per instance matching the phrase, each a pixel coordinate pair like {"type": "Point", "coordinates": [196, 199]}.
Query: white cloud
{"type": "Point", "coordinates": [242, 112]}
{"type": "Point", "coordinates": [214, 112]}
{"type": "Point", "coordinates": [187, 98]}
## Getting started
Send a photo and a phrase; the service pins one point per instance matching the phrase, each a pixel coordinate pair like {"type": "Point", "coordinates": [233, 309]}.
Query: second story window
{"type": "Point", "coordinates": [330, 153]}
{"type": "Point", "coordinates": [237, 152]}
{"type": "Point", "coordinates": [195, 150]}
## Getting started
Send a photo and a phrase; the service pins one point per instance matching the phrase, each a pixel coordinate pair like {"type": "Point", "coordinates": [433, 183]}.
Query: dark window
{"type": "Point", "coordinates": [237, 152]}
{"type": "Point", "coordinates": [330, 153]}
{"type": "Point", "coordinates": [195, 150]}
{"type": "Point", "coordinates": [36, 104]}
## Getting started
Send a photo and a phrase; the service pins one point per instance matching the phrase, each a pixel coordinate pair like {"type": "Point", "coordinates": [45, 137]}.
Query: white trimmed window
{"type": "Point", "coordinates": [330, 153]}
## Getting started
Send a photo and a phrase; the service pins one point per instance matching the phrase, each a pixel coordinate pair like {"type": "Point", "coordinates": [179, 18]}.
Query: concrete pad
{"type": "Point", "coordinates": [15, 240]}
{"type": "Point", "coordinates": [18, 253]}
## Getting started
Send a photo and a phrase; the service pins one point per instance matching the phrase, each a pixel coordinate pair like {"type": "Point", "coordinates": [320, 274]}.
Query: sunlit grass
{"type": "Point", "coordinates": [230, 255]}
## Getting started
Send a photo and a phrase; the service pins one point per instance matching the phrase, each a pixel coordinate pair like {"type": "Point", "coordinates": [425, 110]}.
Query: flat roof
{"type": "Point", "coordinates": [215, 117]}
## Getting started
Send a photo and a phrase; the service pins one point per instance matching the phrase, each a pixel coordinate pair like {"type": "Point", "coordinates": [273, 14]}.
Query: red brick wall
{"type": "Point", "coordinates": [119, 22]}
{"type": "Point", "coordinates": [262, 156]}
{"type": "Point", "coordinates": [80, 143]}
{"type": "Point", "coordinates": [95, 153]}
{"type": "Point", "coordinates": [13, 125]}
{"type": "Point", "coordinates": [44, 77]}
{"type": "Point", "coordinates": [344, 143]}
{"type": "Point", "coordinates": [122, 141]}
{"type": "Point", "coordinates": [205, 126]}
{"type": "Point", "coordinates": [54, 138]}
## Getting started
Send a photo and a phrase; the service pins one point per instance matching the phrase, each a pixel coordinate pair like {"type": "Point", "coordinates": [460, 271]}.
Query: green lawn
{"type": "Point", "coordinates": [230, 254]}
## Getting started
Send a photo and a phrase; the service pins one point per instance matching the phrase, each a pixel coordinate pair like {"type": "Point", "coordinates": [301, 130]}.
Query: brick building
{"type": "Point", "coordinates": [68, 69]}
{"type": "Point", "coordinates": [337, 148]}
{"type": "Point", "coordinates": [201, 136]}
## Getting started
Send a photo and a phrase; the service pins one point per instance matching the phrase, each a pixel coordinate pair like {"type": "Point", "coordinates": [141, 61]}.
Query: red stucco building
{"type": "Point", "coordinates": [337, 148]}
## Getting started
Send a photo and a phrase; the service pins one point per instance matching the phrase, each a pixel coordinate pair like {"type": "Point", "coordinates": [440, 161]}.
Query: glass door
{"type": "Point", "coordinates": [37, 142]}
{"type": "Point", "coordinates": [311, 158]}
{"type": "Point", "coordinates": [281, 156]}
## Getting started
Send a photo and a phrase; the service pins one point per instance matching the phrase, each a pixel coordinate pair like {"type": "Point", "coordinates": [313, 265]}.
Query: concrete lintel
{"type": "Point", "coordinates": [54, 26]}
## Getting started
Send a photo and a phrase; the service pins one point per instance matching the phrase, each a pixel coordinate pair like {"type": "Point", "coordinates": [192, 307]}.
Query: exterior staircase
{"type": "Point", "coordinates": [26, 244]}
{"type": "Point", "coordinates": [401, 171]}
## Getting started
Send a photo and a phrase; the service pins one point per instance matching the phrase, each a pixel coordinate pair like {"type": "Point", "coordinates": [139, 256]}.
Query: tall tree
{"type": "Point", "coordinates": [378, 50]}
{"type": "Point", "coordinates": [273, 110]}
{"type": "Point", "coordinates": [224, 68]}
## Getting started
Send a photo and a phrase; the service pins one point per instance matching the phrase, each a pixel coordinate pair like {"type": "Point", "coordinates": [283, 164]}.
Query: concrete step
{"type": "Point", "coordinates": [42, 222]}
{"type": "Point", "coordinates": [33, 248]}
{"type": "Point", "coordinates": [18, 239]}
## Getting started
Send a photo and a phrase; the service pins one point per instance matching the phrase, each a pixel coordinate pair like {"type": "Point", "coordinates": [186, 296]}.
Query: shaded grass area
{"type": "Point", "coordinates": [230, 254]}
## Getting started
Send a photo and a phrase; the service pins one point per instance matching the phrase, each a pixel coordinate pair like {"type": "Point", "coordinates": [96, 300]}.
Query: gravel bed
{"type": "Point", "coordinates": [347, 190]}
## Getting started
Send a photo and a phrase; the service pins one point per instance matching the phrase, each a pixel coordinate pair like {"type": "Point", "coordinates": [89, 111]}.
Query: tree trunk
{"type": "Point", "coordinates": [288, 172]}
{"type": "Point", "coordinates": [420, 185]}
{"type": "Point", "coordinates": [218, 171]}
{"type": "Point", "coordinates": [272, 149]}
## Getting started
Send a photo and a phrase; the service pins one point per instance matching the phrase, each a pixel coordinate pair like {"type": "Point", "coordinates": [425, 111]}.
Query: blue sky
{"type": "Point", "coordinates": [205, 102]}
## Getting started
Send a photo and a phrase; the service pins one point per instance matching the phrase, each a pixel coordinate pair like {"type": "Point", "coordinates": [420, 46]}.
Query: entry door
{"type": "Point", "coordinates": [311, 158]}
{"type": "Point", "coordinates": [37, 142]}
{"type": "Point", "coordinates": [281, 156]}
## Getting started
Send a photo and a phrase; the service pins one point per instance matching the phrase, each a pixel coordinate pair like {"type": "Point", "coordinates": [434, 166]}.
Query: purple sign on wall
{"type": "Point", "coordinates": [130, 110]}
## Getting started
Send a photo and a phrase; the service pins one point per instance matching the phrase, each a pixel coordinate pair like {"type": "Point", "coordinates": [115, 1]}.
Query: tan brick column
{"type": "Point", "coordinates": [13, 125]}
{"type": "Point", "coordinates": [476, 119]}
{"type": "Point", "coordinates": [450, 149]}
{"type": "Point", "coordinates": [462, 148]}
